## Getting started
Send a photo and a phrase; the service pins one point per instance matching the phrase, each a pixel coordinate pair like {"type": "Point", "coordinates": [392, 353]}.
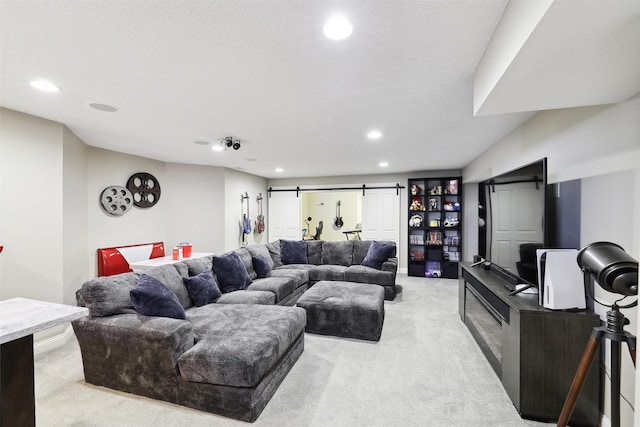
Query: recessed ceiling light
{"type": "Point", "coordinates": [338, 28]}
{"type": "Point", "coordinates": [218, 146]}
{"type": "Point", "coordinates": [103, 107]}
{"type": "Point", "coordinates": [250, 159]}
{"type": "Point", "coordinates": [201, 142]}
{"type": "Point", "coordinates": [279, 170]}
{"type": "Point", "coordinates": [44, 85]}
{"type": "Point", "coordinates": [374, 134]}
{"type": "Point", "coordinates": [383, 164]}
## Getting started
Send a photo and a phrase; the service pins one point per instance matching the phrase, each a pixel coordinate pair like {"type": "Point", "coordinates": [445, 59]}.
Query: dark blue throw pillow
{"type": "Point", "coordinates": [231, 273]}
{"type": "Point", "coordinates": [293, 252]}
{"type": "Point", "coordinates": [151, 298]}
{"type": "Point", "coordinates": [202, 288]}
{"type": "Point", "coordinates": [261, 266]}
{"type": "Point", "coordinates": [377, 254]}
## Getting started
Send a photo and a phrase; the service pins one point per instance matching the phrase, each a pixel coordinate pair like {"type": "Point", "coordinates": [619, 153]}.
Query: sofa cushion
{"type": "Point", "coordinates": [151, 298]}
{"type": "Point", "coordinates": [300, 276]}
{"type": "Point", "coordinates": [314, 252]}
{"type": "Point", "coordinates": [109, 295]}
{"type": "Point", "coordinates": [337, 253]}
{"type": "Point", "coordinates": [280, 286]}
{"type": "Point", "coordinates": [274, 251]}
{"type": "Point", "coordinates": [247, 260]}
{"type": "Point", "coordinates": [196, 266]}
{"type": "Point", "coordinates": [360, 249]}
{"type": "Point", "coordinates": [378, 253]}
{"type": "Point", "coordinates": [230, 272]}
{"type": "Point", "coordinates": [247, 340]}
{"type": "Point", "coordinates": [363, 274]}
{"type": "Point", "coordinates": [202, 288]}
{"type": "Point", "coordinates": [170, 276]}
{"type": "Point", "coordinates": [248, 297]}
{"type": "Point", "coordinates": [258, 249]}
{"type": "Point", "coordinates": [293, 252]}
{"type": "Point", "coordinates": [327, 272]}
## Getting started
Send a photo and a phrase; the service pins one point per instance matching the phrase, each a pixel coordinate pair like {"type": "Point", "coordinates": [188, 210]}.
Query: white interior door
{"type": "Point", "coordinates": [381, 215]}
{"type": "Point", "coordinates": [284, 216]}
{"type": "Point", "coordinates": [516, 218]}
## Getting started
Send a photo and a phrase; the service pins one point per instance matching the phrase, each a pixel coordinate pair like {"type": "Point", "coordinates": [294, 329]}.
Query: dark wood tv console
{"type": "Point", "coordinates": [534, 351]}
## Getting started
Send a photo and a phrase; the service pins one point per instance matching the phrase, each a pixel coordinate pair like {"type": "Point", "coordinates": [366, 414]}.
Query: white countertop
{"type": "Point", "coordinates": [156, 262]}
{"type": "Point", "coordinates": [20, 317]}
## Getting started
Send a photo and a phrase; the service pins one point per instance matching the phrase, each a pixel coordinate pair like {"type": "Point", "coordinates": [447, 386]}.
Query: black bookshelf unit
{"type": "Point", "coordinates": [434, 227]}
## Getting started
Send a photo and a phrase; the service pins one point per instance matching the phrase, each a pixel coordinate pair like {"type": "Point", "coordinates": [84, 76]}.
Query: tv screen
{"type": "Point", "coordinates": [512, 223]}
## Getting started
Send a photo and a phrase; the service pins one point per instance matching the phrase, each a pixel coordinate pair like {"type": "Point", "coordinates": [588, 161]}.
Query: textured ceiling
{"type": "Point", "coordinates": [262, 72]}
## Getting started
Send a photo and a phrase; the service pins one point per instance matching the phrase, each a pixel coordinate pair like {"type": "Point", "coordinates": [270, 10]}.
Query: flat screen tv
{"type": "Point", "coordinates": [514, 220]}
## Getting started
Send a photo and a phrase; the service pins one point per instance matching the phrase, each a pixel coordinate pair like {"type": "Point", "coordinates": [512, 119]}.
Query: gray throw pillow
{"type": "Point", "coordinates": [293, 252]}
{"type": "Point", "coordinates": [152, 298]}
{"type": "Point", "coordinates": [202, 288]}
{"type": "Point", "coordinates": [261, 266]}
{"type": "Point", "coordinates": [231, 273]}
{"type": "Point", "coordinates": [378, 253]}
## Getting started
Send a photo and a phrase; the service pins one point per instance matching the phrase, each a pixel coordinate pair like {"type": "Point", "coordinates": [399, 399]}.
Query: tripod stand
{"type": "Point", "coordinates": [616, 334]}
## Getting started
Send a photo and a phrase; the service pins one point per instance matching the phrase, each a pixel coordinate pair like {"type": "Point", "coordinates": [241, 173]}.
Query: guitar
{"type": "Point", "coordinates": [338, 222]}
{"type": "Point", "coordinates": [260, 221]}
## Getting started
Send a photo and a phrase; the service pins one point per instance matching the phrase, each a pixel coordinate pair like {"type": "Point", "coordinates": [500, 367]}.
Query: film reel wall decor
{"type": "Point", "coordinates": [142, 190]}
{"type": "Point", "coordinates": [145, 189]}
{"type": "Point", "coordinates": [116, 200]}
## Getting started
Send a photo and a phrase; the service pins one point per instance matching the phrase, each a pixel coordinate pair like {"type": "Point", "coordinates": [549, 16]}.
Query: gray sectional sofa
{"type": "Point", "coordinates": [227, 355]}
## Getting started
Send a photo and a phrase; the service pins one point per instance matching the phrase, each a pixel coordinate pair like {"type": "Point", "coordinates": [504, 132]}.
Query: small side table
{"type": "Point", "coordinates": [20, 318]}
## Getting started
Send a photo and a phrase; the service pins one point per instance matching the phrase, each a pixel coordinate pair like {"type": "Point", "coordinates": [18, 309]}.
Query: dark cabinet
{"type": "Point", "coordinates": [435, 232]}
{"type": "Point", "coordinates": [534, 351]}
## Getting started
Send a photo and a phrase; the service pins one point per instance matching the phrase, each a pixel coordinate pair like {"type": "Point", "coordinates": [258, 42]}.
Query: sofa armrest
{"type": "Point", "coordinates": [390, 265]}
{"type": "Point", "coordinates": [134, 353]}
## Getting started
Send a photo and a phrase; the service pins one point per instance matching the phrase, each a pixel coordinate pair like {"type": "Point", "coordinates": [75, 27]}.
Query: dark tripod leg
{"type": "Point", "coordinates": [581, 375]}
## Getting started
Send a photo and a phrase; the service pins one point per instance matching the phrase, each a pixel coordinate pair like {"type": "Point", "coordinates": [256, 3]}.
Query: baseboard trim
{"type": "Point", "coordinates": [53, 342]}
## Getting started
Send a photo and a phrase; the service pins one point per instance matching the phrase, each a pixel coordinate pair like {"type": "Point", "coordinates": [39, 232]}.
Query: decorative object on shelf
{"type": "Point", "coordinates": [415, 190]}
{"type": "Point", "coordinates": [615, 271]}
{"type": "Point", "coordinates": [451, 206]}
{"type": "Point", "coordinates": [260, 220]}
{"type": "Point", "coordinates": [415, 221]}
{"type": "Point", "coordinates": [116, 200]}
{"type": "Point", "coordinates": [435, 191]}
{"type": "Point", "coordinates": [451, 187]}
{"type": "Point", "coordinates": [433, 205]}
{"type": "Point", "coordinates": [451, 222]}
{"type": "Point", "coordinates": [145, 189]}
{"type": "Point", "coordinates": [416, 204]}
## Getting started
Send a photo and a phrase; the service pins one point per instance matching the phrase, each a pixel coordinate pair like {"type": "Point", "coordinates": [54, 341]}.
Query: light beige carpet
{"type": "Point", "coordinates": [426, 370]}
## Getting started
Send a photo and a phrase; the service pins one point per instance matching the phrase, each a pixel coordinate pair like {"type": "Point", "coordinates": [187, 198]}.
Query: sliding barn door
{"type": "Point", "coordinates": [284, 216]}
{"type": "Point", "coordinates": [381, 215]}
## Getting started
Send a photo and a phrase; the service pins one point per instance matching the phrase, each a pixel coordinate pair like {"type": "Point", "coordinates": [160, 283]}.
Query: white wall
{"type": "Point", "coordinates": [601, 146]}
{"type": "Point", "coordinates": [235, 185]}
{"type": "Point", "coordinates": [31, 207]}
{"type": "Point", "coordinates": [75, 221]}
{"type": "Point", "coordinates": [195, 208]}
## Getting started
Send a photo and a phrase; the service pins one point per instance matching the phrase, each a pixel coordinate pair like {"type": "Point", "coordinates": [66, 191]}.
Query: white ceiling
{"type": "Point", "coordinates": [262, 72]}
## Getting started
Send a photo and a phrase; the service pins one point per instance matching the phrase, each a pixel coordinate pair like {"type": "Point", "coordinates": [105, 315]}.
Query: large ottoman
{"type": "Point", "coordinates": [344, 309]}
